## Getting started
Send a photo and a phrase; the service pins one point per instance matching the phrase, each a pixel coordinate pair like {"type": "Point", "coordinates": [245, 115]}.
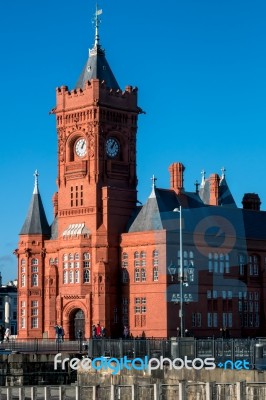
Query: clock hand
{"type": "Point", "coordinates": [83, 143]}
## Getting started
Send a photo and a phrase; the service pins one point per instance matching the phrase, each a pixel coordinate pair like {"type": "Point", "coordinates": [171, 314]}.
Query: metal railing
{"type": "Point", "coordinates": [181, 391]}
{"type": "Point", "coordinates": [251, 350]}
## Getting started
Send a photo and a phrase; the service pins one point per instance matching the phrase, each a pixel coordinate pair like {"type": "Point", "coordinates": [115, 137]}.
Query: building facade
{"type": "Point", "coordinates": [107, 260]}
{"type": "Point", "coordinates": [8, 305]}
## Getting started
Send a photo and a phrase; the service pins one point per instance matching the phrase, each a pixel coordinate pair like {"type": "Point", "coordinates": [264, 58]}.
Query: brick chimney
{"type": "Point", "coordinates": [251, 201]}
{"type": "Point", "coordinates": [214, 181]}
{"type": "Point", "coordinates": [177, 177]}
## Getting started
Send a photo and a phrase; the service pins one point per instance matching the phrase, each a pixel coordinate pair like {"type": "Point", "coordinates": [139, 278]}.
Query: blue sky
{"type": "Point", "coordinates": [200, 69]}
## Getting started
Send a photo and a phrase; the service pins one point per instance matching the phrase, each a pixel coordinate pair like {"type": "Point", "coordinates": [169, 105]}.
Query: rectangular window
{"type": "Point", "coordinates": [34, 322]}
{"type": "Point", "coordinates": [209, 317]}
{"type": "Point", "coordinates": [215, 320]}
{"type": "Point", "coordinates": [224, 319]}
{"type": "Point", "coordinates": [230, 320]}
{"type": "Point", "coordinates": [34, 303]}
{"type": "Point", "coordinates": [14, 315]}
{"type": "Point", "coordinates": [23, 322]}
{"type": "Point", "coordinates": [214, 294]}
{"type": "Point", "coordinates": [199, 319]}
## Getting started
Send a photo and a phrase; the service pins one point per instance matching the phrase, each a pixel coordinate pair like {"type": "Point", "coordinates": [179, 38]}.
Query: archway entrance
{"type": "Point", "coordinates": [77, 323]}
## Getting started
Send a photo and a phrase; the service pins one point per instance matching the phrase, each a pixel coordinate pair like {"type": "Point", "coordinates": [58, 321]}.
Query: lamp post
{"type": "Point", "coordinates": [181, 276]}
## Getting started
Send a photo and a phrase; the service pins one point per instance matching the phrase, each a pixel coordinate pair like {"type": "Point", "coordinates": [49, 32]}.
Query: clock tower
{"type": "Point", "coordinates": [96, 125]}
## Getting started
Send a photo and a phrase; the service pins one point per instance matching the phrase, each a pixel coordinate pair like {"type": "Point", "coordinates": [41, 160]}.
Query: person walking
{"type": "Point", "coordinates": [98, 331]}
{"type": "Point", "coordinates": [7, 334]}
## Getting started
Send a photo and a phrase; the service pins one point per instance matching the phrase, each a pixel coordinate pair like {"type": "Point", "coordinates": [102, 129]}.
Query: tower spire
{"type": "Point", "coordinates": [36, 189]}
{"type": "Point", "coordinates": [97, 23]}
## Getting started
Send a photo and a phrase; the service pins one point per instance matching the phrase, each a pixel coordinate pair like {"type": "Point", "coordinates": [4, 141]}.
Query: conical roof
{"type": "Point", "coordinates": [36, 221]}
{"type": "Point", "coordinates": [97, 66]}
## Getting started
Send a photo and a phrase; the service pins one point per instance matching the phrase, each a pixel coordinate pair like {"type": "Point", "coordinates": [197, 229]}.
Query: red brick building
{"type": "Point", "coordinates": [107, 260]}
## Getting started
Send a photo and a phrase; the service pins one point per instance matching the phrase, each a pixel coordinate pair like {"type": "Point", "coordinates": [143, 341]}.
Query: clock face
{"type": "Point", "coordinates": [81, 147]}
{"type": "Point", "coordinates": [112, 147]}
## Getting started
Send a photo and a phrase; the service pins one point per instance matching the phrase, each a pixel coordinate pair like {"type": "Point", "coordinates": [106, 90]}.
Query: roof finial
{"type": "Point", "coordinates": [223, 172]}
{"type": "Point", "coordinates": [153, 179]}
{"type": "Point", "coordinates": [97, 23]}
{"type": "Point", "coordinates": [36, 174]}
{"type": "Point", "coordinates": [203, 174]}
{"type": "Point", "coordinates": [197, 186]}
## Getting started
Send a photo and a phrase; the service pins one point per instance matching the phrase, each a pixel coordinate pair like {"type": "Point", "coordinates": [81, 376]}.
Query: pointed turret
{"type": "Point", "coordinates": [97, 66]}
{"type": "Point", "coordinates": [36, 221]}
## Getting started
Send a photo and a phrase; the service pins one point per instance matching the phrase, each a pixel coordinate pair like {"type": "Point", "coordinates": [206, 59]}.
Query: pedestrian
{"type": "Point", "coordinates": [7, 334]}
{"type": "Point", "coordinates": [125, 332]}
{"type": "Point", "coordinates": [60, 333]}
{"type": "Point", "coordinates": [103, 332]}
{"type": "Point", "coordinates": [186, 333]}
{"type": "Point", "coordinates": [56, 327]}
{"type": "Point", "coordinates": [93, 331]}
{"type": "Point", "coordinates": [98, 331]}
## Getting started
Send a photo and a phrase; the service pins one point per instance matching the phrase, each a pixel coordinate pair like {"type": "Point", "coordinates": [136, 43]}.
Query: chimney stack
{"type": "Point", "coordinates": [214, 181]}
{"type": "Point", "coordinates": [251, 201]}
{"type": "Point", "coordinates": [177, 177]}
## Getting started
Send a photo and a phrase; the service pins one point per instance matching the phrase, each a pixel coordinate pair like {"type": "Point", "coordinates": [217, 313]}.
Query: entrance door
{"type": "Point", "coordinates": [79, 324]}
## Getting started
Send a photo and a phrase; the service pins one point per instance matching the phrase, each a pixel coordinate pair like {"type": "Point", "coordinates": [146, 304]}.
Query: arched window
{"type": "Point", "coordinates": [216, 258]}
{"type": "Point", "coordinates": [34, 261]}
{"type": "Point", "coordinates": [76, 256]}
{"type": "Point", "coordinates": [23, 280]}
{"type": "Point", "coordinates": [155, 264]}
{"type": "Point", "coordinates": [34, 280]}
{"type": "Point", "coordinates": [155, 274]}
{"type": "Point", "coordinates": [86, 276]}
{"type": "Point", "coordinates": [65, 277]}
{"type": "Point", "coordinates": [56, 260]}
{"type": "Point", "coordinates": [124, 260]}
{"type": "Point", "coordinates": [65, 257]}
{"type": "Point", "coordinates": [86, 267]}
{"type": "Point", "coordinates": [143, 258]}
{"type": "Point", "coordinates": [221, 263]}
{"type": "Point", "coordinates": [23, 261]}
{"type": "Point", "coordinates": [210, 263]}
{"type": "Point", "coordinates": [254, 265]}
{"type": "Point", "coordinates": [76, 276]}
{"type": "Point", "coordinates": [71, 278]}
{"type": "Point", "coordinates": [143, 274]}
{"type": "Point", "coordinates": [51, 261]}
{"type": "Point", "coordinates": [242, 262]}
{"type": "Point", "coordinates": [136, 259]}
{"type": "Point", "coordinates": [124, 275]}
{"type": "Point", "coordinates": [137, 275]}
{"type": "Point", "coordinates": [70, 257]}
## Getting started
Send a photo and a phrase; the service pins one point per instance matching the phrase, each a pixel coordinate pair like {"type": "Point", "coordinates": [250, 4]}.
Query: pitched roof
{"type": "Point", "coordinates": [36, 221]}
{"type": "Point", "coordinates": [157, 213]}
{"type": "Point", "coordinates": [97, 67]}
